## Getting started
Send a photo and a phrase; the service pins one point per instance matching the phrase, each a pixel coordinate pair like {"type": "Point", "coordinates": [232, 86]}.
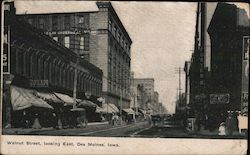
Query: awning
{"type": "Point", "coordinates": [129, 111]}
{"type": "Point", "coordinates": [48, 97]}
{"type": "Point", "coordinates": [22, 98]}
{"type": "Point", "coordinates": [107, 108]}
{"type": "Point", "coordinates": [86, 103]}
{"type": "Point", "coordinates": [142, 111]}
{"type": "Point", "coordinates": [65, 98]}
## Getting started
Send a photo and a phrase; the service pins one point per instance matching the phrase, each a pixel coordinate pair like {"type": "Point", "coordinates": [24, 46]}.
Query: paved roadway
{"type": "Point", "coordinates": [103, 130]}
{"type": "Point", "coordinates": [140, 130]}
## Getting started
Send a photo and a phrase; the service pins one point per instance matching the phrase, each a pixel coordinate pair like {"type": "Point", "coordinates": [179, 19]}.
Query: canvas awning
{"type": "Point", "coordinates": [142, 111]}
{"type": "Point", "coordinates": [65, 98]}
{"type": "Point", "coordinates": [86, 103]}
{"type": "Point", "coordinates": [129, 111]}
{"type": "Point", "coordinates": [22, 98]}
{"type": "Point", "coordinates": [48, 97]}
{"type": "Point", "coordinates": [107, 108]}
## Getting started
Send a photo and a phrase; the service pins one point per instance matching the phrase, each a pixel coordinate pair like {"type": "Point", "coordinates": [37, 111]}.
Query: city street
{"type": "Point", "coordinates": [138, 130]}
{"type": "Point", "coordinates": [101, 130]}
{"type": "Point", "coordinates": [176, 131]}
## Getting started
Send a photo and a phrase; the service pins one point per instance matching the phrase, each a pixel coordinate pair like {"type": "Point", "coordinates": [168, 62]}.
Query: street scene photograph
{"type": "Point", "coordinates": [125, 69]}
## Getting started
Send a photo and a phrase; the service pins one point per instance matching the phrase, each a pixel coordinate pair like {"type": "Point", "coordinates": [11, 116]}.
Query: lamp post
{"type": "Point", "coordinates": [121, 105]}
{"type": "Point", "coordinates": [135, 107]}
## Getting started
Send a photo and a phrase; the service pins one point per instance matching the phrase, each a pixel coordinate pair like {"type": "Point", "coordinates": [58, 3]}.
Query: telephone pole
{"type": "Point", "coordinates": [179, 71]}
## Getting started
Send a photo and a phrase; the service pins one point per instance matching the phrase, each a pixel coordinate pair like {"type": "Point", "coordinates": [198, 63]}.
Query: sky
{"type": "Point", "coordinates": [162, 35]}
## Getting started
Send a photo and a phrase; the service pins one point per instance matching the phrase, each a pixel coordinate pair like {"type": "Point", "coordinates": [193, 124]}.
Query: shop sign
{"type": "Point", "coordinates": [39, 83]}
{"type": "Point", "coordinates": [245, 64]}
{"type": "Point", "coordinates": [219, 98]}
{"type": "Point", "coordinates": [245, 74]}
{"type": "Point", "coordinates": [244, 106]}
{"type": "Point", "coordinates": [6, 51]}
{"type": "Point", "coordinates": [66, 32]}
{"type": "Point", "coordinates": [246, 43]}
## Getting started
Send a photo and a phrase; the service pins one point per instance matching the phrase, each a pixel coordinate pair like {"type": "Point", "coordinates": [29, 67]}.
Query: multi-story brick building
{"type": "Point", "coordinates": [97, 36]}
{"type": "Point", "coordinates": [38, 62]}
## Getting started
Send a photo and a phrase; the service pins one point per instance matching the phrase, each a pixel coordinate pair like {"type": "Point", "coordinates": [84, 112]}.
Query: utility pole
{"type": "Point", "coordinates": [179, 72]}
{"type": "Point", "coordinates": [77, 63]}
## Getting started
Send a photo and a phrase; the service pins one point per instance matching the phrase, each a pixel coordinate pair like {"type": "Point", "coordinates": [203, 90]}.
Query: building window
{"type": "Point", "coordinates": [81, 43]}
{"type": "Point", "coordinates": [30, 20]}
{"type": "Point", "coordinates": [118, 37]}
{"type": "Point", "coordinates": [110, 25]}
{"type": "Point", "coordinates": [41, 23]}
{"type": "Point", "coordinates": [86, 42]}
{"type": "Point", "coordinates": [115, 30]}
{"type": "Point", "coordinates": [54, 23]}
{"type": "Point", "coordinates": [67, 22]}
{"type": "Point", "coordinates": [81, 20]}
{"type": "Point", "coordinates": [55, 38]}
{"type": "Point", "coordinates": [201, 82]}
{"type": "Point", "coordinates": [66, 41]}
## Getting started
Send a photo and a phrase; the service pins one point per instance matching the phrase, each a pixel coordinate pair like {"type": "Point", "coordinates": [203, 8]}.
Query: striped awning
{"type": "Point", "coordinates": [22, 98]}
{"type": "Point", "coordinates": [86, 103]}
{"type": "Point", "coordinates": [48, 97]}
{"type": "Point", "coordinates": [129, 111]}
{"type": "Point", "coordinates": [65, 98]}
{"type": "Point", "coordinates": [107, 108]}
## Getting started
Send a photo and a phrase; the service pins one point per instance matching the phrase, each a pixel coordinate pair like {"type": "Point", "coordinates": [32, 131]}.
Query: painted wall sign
{"type": "Point", "coordinates": [219, 98]}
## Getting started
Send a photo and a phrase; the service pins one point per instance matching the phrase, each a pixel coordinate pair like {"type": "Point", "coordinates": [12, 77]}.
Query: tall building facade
{"type": "Point", "coordinates": [229, 33]}
{"type": "Point", "coordinates": [218, 72]}
{"type": "Point", "coordinates": [98, 37]}
{"type": "Point", "coordinates": [200, 64]}
{"type": "Point", "coordinates": [37, 62]}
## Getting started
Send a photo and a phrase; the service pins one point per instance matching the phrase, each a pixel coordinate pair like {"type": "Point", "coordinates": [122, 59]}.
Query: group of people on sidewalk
{"type": "Point", "coordinates": [222, 123]}
{"type": "Point", "coordinates": [229, 126]}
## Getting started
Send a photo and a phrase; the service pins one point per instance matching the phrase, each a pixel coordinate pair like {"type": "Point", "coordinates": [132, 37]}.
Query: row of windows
{"type": "Point", "coordinates": [59, 22]}
{"type": "Point", "coordinates": [117, 33]}
{"type": "Point", "coordinates": [39, 66]}
{"type": "Point", "coordinates": [118, 72]}
{"type": "Point", "coordinates": [75, 42]}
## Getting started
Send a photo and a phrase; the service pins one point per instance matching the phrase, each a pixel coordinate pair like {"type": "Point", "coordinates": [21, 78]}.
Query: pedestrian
{"type": "Point", "coordinates": [235, 122]}
{"type": "Point", "coordinates": [113, 119]}
{"type": "Point", "coordinates": [229, 124]}
{"type": "Point", "coordinates": [222, 129]}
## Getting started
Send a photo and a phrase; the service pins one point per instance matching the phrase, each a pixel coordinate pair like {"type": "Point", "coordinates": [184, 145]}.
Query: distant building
{"type": "Point", "coordinates": [138, 94]}
{"type": "Point", "coordinates": [98, 37]}
{"type": "Point", "coordinates": [156, 103]}
{"type": "Point", "coordinates": [148, 86]}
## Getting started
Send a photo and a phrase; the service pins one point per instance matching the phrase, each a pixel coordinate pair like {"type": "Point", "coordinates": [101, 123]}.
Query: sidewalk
{"type": "Point", "coordinates": [214, 134]}
{"type": "Point", "coordinates": [14, 131]}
